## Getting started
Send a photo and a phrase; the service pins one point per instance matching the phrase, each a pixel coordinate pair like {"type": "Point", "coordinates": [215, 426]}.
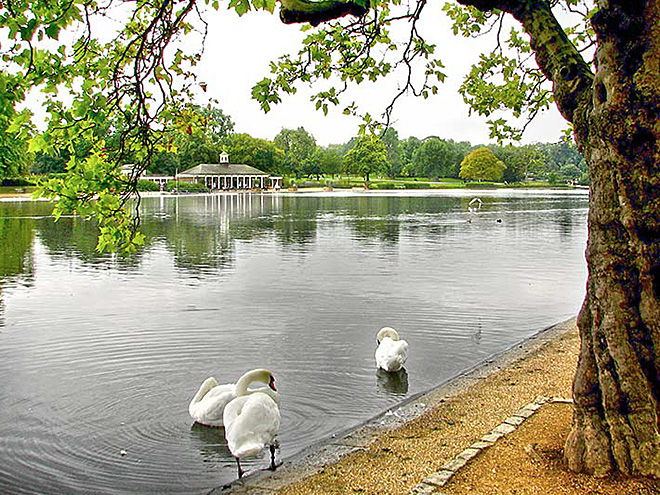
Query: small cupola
{"type": "Point", "coordinates": [224, 157]}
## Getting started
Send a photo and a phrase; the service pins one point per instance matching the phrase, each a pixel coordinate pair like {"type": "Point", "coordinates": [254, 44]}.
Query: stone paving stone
{"type": "Point", "coordinates": [492, 437]}
{"type": "Point", "coordinates": [504, 429]}
{"type": "Point", "coordinates": [514, 420]}
{"type": "Point", "coordinates": [422, 489]}
{"type": "Point", "coordinates": [481, 444]}
{"type": "Point", "coordinates": [438, 479]}
{"type": "Point", "coordinates": [525, 412]}
{"type": "Point", "coordinates": [454, 464]}
{"type": "Point", "coordinates": [468, 454]}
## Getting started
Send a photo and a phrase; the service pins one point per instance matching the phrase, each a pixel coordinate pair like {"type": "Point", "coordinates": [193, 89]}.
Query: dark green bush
{"type": "Point", "coordinates": [16, 182]}
{"type": "Point", "coordinates": [147, 185]}
{"type": "Point", "coordinates": [481, 185]}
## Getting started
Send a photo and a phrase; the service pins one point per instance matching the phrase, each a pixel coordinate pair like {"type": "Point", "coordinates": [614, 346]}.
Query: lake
{"type": "Point", "coordinates": [100, 354]}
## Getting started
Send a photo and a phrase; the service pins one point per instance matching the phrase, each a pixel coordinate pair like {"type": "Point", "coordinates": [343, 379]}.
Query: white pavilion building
{"type": "Point", "coordinates": [229, 176]}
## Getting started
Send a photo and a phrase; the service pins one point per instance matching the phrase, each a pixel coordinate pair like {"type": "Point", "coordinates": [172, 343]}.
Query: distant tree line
{"type": "Point", "coordinates": [294, 152]}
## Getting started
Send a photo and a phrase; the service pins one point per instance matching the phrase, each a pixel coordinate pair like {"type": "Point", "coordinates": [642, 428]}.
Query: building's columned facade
{"type": "Point", "coordinates": [224, 176]}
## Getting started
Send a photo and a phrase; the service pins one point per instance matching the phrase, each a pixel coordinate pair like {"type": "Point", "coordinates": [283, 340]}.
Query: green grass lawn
{"type": "Point", "coordinates": [346, 182]}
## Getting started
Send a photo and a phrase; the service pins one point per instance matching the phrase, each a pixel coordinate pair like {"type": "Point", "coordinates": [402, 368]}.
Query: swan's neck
{"type": "Point", "coordinates": [208, 384]}
{"type": "Point", "coordinates": [387, 332]}
{"type": "Point", "coordinates": [260, 376]}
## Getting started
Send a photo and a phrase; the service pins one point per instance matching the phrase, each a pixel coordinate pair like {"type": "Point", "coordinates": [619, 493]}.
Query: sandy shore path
{"type": "Point", "coordinates": [394, 453]}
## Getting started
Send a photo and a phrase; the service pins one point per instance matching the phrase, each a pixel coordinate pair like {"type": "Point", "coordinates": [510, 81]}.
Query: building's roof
{"type": "Point", "coordinates": [222, 169]}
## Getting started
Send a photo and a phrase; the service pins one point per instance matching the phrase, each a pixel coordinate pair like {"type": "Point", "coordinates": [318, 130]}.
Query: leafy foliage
{"type": "Point", "coordinates": [325, 161]}
{"type": "Point", "coordinates": [147, 185]}
{"type": "Point", "coordinates": [259, 153]}
{"type": "Point", "coordinates": [356, 51]}
{"type": "Point", "coordinates": [131, 78]}
{"type": "Point", "coordinates": [298, 147]}
{"type": "Point", "coordinates": [369, 156]}
{"type": "Point", "coordinates": [482, 164]}
{"type": "Point", "coordinates": [180, 186]}
{"type": "Point", "coordinates": [14, 156]}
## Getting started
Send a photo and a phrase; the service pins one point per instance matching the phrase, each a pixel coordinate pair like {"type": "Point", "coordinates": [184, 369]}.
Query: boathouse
{"type": "Point", "coordinates": [225, 176]}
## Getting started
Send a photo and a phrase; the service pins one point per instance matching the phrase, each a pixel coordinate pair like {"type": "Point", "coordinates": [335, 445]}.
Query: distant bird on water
{"type": "Point", "coordinates": [252, 419]}
{"type": "Point", "coordinates": [392, 352]}
{"type": "Point", "coordinates": [474, 204]}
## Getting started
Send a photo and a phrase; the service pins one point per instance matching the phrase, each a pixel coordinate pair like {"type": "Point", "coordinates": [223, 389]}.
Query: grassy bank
{"type": "Point", "coordinates": [346, 182]}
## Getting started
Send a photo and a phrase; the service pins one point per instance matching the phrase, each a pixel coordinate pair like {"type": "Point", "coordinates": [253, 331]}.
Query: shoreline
{"type": "Point", "coordinates": [342, 446]}
{"type": "Point", "coordinates": [27, 196]}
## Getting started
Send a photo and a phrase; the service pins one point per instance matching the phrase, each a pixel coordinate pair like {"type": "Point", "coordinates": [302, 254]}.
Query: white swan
{"type": "Point", "coordinates": [392, 352]}
{"type": "Point", "coordinates": [208, 404]}
{"type": "Point", "coordinates": [475, 204]}
{"type": "Point", "coordinates": [252, 419]}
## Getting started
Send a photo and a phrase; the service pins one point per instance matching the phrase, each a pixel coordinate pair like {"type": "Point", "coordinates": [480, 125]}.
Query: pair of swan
{"type": "Point", "coordinates": [392, 352]}
{"type": "Point", "coordinates": [250, 416]}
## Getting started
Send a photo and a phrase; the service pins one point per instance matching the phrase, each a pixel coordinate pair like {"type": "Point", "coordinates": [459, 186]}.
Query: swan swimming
{"type": "Point", "coordinates": [475, 204]}
{"type": "Point", "coordinates": [252, 419]}
{"type": "Point", "coordinates": [392, 352]}
{"type": "Point", "coordinates": [208, 404]}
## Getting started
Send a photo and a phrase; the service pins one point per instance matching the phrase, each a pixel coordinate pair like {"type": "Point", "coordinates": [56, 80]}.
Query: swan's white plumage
{"type": "Point", "coordinates": [251, 424]}
{"type": "Point", "coordinates": [208, 404]}
{"type": "Point", "coordinates": [392, 352]}
{"type": "Point", "coordinates": [252, 419]}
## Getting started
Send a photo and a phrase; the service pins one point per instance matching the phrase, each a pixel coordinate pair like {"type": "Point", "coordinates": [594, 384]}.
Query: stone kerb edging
{"type": "Point", "coordinates": [440, 478]}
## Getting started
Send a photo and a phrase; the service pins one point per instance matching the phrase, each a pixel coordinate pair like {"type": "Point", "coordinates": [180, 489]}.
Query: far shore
{"type": "Point", "coordinates": [28, 196]}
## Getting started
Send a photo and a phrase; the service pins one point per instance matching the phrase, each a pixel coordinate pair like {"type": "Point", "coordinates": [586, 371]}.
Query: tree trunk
{"type": "Point", "coordinates": [617, 385]}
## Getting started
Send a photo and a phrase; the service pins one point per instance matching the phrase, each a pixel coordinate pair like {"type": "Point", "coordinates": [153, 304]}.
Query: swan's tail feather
{"type": "Point", "coordinates": [249, 449]}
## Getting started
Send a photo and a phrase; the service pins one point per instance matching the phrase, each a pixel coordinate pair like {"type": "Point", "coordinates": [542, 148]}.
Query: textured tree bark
{"type": "Point", "coordinates": [617, 384]}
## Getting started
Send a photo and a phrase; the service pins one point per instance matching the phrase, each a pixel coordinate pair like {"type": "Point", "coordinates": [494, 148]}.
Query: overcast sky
{"type": "Point", "coordinates": [238, 50]}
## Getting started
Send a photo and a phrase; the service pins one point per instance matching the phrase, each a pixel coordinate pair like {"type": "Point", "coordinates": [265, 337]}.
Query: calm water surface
{"type": "Point", "coordinates": [101, 354]}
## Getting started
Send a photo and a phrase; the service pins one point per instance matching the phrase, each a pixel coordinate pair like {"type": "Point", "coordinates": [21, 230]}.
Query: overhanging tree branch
{"type": "Point", "coordinates": [556, 55]}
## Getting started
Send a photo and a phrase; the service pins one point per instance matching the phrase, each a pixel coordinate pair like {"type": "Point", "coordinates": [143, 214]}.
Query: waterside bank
{"type": "Point", "coordinates": [395, 452]}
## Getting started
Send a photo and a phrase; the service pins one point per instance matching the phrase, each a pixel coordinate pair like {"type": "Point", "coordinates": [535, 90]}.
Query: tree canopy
{"type": "Point", "coordinates": [14, 156]}
{"type": "Point", "coordinates": [482, 164]}
{"type": "Point", "coordinates": [369, 156]}
{"type": "Point", "coordinates": [298, 147]}
{"type": "Point", "coordinates": [259, 153]}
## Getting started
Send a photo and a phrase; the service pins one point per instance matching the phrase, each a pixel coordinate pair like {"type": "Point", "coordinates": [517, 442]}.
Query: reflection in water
{"type": "Point", "coordinates": [16, 257]}
{"type": "Point", "coordinates": [16, 236]}
{"type": "Point", "coordinates": [210, 442]}
{"type": "Point", "coordinates": [392, 383]}
{"type": "Point", "coordinates": [476, 336]}
{"type": "Point", "coordinates": [201, 232]}
{"type": "Point", "coordinates": [103, 347]}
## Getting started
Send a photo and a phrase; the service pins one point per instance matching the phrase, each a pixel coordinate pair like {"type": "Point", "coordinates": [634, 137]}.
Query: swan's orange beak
{"type": "Point", "coordinates": [272, 383]}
